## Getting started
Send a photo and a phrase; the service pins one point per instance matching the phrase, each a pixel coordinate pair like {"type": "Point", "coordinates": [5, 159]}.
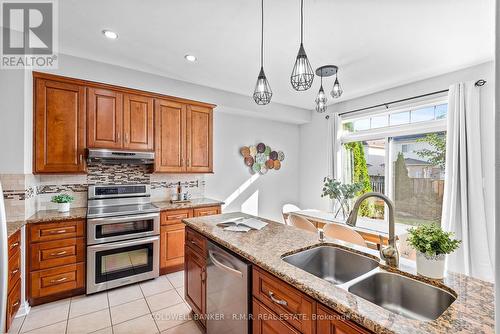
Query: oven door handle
{"type": "Point", "coordinates": [126, 243]}
{"type": "Point", "coordinates": [110, 220]}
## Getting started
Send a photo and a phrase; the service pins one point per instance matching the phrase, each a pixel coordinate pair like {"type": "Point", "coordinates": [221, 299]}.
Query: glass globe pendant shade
{"type": "Point", "coordinates": [302, 75]}
{"type": "Point", "coordinates": [321, 101]}
{"type": "Point", "coordinates": [262, 93]}
{"type": "Point", "coordinates": [337, 89]}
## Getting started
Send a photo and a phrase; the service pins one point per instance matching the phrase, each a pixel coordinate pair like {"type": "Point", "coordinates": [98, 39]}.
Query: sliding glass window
{"type": "Point", "coordinates": [399, 153]}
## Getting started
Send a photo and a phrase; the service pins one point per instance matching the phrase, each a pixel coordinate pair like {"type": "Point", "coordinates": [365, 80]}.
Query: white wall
{"type": "Point", "coordinates": [313, 135]}
{"type": "Point", "coordinates": [232, 181]}
{"type": "Point", "coordinates": [11, 121]}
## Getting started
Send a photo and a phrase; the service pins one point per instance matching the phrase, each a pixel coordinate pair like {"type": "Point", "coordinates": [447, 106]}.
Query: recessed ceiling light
{"type": "Point", "coordinates": [110, 34]}
{"type": "Point", "coordinates": [190, 58]}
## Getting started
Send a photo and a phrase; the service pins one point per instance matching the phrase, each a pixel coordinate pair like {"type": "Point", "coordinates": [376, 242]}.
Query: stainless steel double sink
{"type": "Point", "coordinates": [362, 276]}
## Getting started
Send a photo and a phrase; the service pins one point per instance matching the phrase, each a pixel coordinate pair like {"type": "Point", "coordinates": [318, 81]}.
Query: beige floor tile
{"type": "Point", "coordinates": [172, 316]}
{"type": "Point", "coordinates": [158, 285]}
{"type": "Point", "coordinates": [129, 311]}
{"type": "Point", "coordinates": [142, 325]}
{"type": "Point", "coordinates": [108, 330]}
{"type": "Point", "coordinates": [124, 295]}
{"type": "Point", "coordinates": [177, 279]}
{"type": "Point", "coordinates": [163, 300]}
{"type": "Point", "coordinates": [59, 328]}
{"type": "Point", "coordinates": [16, 324]}
{"type": "Point", "coordinates": [89, 323]}
{"type": "Point", "coordinates": [88, 304]}
{"type": "Point", "coordinates": [180, 291]}
{"type": "Point", "coordinates": [59, 304]}
{"type": "Point", "coordinates": [186, 328]}
{"type": "Point", "coordinates": [42, 317]}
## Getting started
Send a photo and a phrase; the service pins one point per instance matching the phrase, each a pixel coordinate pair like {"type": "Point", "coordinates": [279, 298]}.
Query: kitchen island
{"type": "Point", "coordinates": [471, 312]}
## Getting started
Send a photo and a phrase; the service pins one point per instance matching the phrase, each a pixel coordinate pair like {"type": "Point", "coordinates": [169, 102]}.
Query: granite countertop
{"type": "Point", "coordinates": [472, 311]}
{"type": "Point", "coordinates": [194, 203]}
{"type": "Point", "coordinates": [50, 216]}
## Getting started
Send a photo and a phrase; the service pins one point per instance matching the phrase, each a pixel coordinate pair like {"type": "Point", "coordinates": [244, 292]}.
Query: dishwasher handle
{"type": "Point", "coordinates": [223, 266]}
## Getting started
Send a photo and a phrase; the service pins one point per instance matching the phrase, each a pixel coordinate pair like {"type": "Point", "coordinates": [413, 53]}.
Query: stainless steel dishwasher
{"type": "Point", "coordinates": [228, 282]}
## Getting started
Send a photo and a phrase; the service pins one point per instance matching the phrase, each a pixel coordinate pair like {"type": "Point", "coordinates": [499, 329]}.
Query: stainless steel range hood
{"type": "Point", "coordinates": [120, 157]}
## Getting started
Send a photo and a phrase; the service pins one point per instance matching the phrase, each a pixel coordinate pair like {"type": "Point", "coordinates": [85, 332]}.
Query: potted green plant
{"type": "Point", "coordinates": [342, 193]}
{"type": "Point", "coordinates": [64, 201]}
{"type": "Point", "coordinates": [432, 244]}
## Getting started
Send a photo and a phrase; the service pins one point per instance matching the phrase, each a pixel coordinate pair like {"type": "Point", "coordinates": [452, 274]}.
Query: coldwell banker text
{"type": "Point", "coordinates": [29, 34]}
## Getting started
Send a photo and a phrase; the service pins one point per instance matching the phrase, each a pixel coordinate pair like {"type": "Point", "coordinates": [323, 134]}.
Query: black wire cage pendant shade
{"type": "Point", "coordinates": [321, 99]}
{"type": "Point", "coordinates": [262, 93]}
{"type": "Point", "coordinates": [302, 74]}
{"type": "Point", "coordinates": [336, 89]}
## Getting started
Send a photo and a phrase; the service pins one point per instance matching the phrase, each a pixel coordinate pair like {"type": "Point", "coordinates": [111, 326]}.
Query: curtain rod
{"type": "Point", "coordinates": [479, 83]}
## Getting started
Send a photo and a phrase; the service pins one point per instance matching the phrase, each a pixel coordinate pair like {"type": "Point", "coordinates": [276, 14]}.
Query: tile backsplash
{"type": "Point", "coordinates": [24, 194]}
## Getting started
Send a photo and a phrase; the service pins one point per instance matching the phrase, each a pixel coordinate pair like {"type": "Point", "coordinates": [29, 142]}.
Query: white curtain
{"type": "Point", "coordinates": [332, 150]}
{"type": "Point", "coordinates": [463, 202]}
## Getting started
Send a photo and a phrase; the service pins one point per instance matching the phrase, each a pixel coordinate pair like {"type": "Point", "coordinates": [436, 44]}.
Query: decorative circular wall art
{"type": "Point", "coordinates": [261, 158]}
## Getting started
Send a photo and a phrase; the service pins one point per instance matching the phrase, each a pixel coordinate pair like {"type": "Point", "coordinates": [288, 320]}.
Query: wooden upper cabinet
{"type": "Point", "coordinates": [170, 130]}
{"type": "Point", "coordinates": [138, 123]}
{"type": "Point", "coordinates": [104, 118]}
{"type": "Point", "coordinates": [199, 139]}
{"type": "Point", "coordinates": [59, 127]}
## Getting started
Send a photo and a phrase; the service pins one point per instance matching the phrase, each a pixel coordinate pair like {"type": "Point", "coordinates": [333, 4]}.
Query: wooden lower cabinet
{"type": "Point", "coordinates": [266, 321]}
{"type": "Point", "coordinates": [13, 278]}
{"type": "Point", "coordinates": [171, 248]}
{"type": "Point", "coordinates": [330, 322]}
{"type": "Point", "coordinates": [195, 289]}
{"type": "Point", "coordinates": [56, 260]}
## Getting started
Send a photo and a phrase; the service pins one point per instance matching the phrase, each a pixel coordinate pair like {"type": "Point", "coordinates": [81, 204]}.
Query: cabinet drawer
{"type": "Point", "coordinates": [284, 300]}
{"type": "Point", "coordinates": [14, 270]}
{"type": "Point", "coordinates": [196, 241]}
{"type": "Point", "coordinates": [57, 231]}
{"type": "Point", "coordinates": [57, 280]}
{"type": "Point", "coordinates": [267, 322]}
{"type": "Point", "coordinates": [172, 217]}
{"type": "Point", "coordinates": [13, 302]}
{"type": "Point", "coordinates": [57, 253]}
{"type": "Point", "coordinates": [330, 322]}
{"type": "Point", "coordinates": [207, 211]}
{"type": "Point", "coordinates": [14, 243]}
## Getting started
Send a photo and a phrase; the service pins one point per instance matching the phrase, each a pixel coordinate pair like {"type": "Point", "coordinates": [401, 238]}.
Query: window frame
{"type": "Point", "coordinates": [386, 134]}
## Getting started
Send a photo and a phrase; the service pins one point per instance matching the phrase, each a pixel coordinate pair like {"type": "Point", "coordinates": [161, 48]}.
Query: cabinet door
{"type": "Point", "coordinates": [171, 248]}
{"type": "Point", "coordinates": [206, 211]}
{"type": "Point", "coordinates": [138, 123]}
{"type": "Point", "coordinates": [195, 285]}
{"type": "Point", "coordinates": [267, 322]}
{"type": "Point", "coordinates": [104, 118]}
{"type": "Point", "coordinates": [170, 130]}
{"type": "Point", "coordinates": [59, 127]}
{"type": "Point", "coordinates": [330, 322]}
{"type": "Point", "coordinates": [199, 139]}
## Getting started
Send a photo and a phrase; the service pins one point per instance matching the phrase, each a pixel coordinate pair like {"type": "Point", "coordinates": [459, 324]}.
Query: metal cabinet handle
{"type": "Point", "coordinates": [176, 217]}
{"type": "Point", "coordinates": [15, 244]}
{"type": "Point", "coordinates": [118, 136]}
{"type": "Point", "coordinates": [277, 301]}
{"type": "Point", "coordinates": [57, 232]}
{"type": "Point", "coordinates": [15, 271]}
{"type": "Point", "coordinates": [58, 253]}
{"type": "Point", "coordinates": [126, 137]}
{"type": "Point", "coordinates": [62, 279]}
{"type": "Point", "coordinates": [16, 303]}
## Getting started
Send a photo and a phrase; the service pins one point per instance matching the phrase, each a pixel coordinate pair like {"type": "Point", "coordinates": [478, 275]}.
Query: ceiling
{"type": "Point", "coordinates": [377, 44]}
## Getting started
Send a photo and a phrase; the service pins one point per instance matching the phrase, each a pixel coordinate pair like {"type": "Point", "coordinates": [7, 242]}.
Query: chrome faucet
{"type": "Point", "coordinates": [388, 253]}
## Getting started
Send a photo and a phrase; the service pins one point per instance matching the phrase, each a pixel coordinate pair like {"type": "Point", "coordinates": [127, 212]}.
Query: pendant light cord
{"type": "Point", "coordinates": [301, 20]}
{"type": "Point", "coordinates": [262, 35]}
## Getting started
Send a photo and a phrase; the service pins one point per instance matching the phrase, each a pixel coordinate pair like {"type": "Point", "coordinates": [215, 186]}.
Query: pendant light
{"type": "Point", "coordinates": [262, 93]}
{"type": "Point", "coordinates": [323, 71]}
{"type": "Point", "coordinates": [302, 74]}
{"type": "Point", "coordinates": [321, 99]}
{"type": "Point", "coordinates": [337, 89]}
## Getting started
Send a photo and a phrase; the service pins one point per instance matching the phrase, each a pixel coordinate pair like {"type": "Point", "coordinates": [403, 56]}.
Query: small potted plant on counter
{"type": "Point", "coordinates": [64, 202]}
{"type": "Point", "coordinates": [432, 244]}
